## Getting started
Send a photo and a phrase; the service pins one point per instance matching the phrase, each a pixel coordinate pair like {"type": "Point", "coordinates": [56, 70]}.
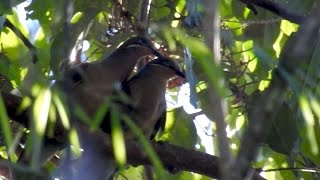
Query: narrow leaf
{"type": "Point", "coordinates": [5, 126]}
{"type": "Point", "coordinates": [308, 116]}
{"type": "Point", "coordinates": [40, 114]}
{"type": "Point", "coordinates": [118, 143]}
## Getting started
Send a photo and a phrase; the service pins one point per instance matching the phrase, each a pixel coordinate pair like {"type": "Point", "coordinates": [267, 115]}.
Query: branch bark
{"type": "Point", "coordinates": [142, 25]}
{"type": "Point", "coordinates": [217, 104]}
{"type": "Point", "coordinates": [172, 156]}
{"type": "Point", "coordinates": [277, 9]}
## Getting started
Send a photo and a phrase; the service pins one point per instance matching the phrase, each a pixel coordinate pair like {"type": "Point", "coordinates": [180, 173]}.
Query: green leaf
{"type": "Point", "coordinates": [5, 126]}
{"type": "Point", "coordinates": [62, 111]}
{"type": "Point", "coordinates": [179, 127]}
{"type": "Point", "coordinates": [146, 145]}
{"type": "Point", "coordinates": [118, 144]}
{"type": "Point", "coordinates": [74, 141]}
{"type": "Point", "coordinates": [159, 3]}
{"type": "Point", "coordinates": [225, 8]}
{"type": "Point", "coordinates": [288, 27]}
{"type": "Point", "coordinates": [40, 112]}
{"type": "Point", "coordinates": [310, 122]}
{"type": "Point", "coordinates": [284, 131]}
{"type": "Point", "coordinates": [160, 13]}
{"type": "Point", "coordinates": [272, 160]}
{"type": "Point", "coordinates": [132, 173]}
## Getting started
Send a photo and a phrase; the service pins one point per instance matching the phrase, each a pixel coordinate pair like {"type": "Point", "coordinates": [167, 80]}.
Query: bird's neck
{"type": "Point", "coordinates": [156, 74]}
{"type": "Point", "coordinates": [127, 55]}
{"type": "Point", "coordinates": [124, 60]}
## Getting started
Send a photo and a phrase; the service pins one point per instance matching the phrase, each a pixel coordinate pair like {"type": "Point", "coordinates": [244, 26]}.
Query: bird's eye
{"type": "Point", "coordinates": [142, 42]}
{"type": "Point", "coordinates": [76, 77]}
{"type": "Point", "coordinates": [168, 65]}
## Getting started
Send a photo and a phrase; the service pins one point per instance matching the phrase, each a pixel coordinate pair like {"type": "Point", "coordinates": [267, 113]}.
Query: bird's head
{"type": "Point", "coordinates": [141, 41]}
{"type": "Point", "coordinates": [168, 63]}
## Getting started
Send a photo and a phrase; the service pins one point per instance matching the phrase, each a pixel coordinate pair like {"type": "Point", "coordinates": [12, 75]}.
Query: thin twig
{"type": "Point", "coordinates": [304, 169]}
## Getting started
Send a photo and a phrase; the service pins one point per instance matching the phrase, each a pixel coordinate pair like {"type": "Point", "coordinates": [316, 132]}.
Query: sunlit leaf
{"type": "Point", "coordinates": [225, 8]}
{"type": "Point", "coordinates": [315, 105]}
{"type": "Point", "coordinates": [118, 142]}
{"type": "Point", "coordinates": [181, 4]}
{"type": "Point", "coordinates": [5, 127]}
{"type": "Point", "coordinates": [265, 83]}
{"type": "Point", "coordinates": [25, 103]}
{"type": "Point", "coordinates": [12, 44]}
{"type": "Point", "coordinates": [288, 27]}
{"type": "Point", "coordinates": [74, 141]}
{"type": "Point", "coordinates": [134, 173]}
{"type": "Point", "coordinates": [234, 25]}
{"type": "Point", "coordinates": [62, 111]}
{"type": "Point", "coordinates": [76, 17]}
{"type": "Point", "coordinates": [40, 112]}
{"type": "Point", "coordinates": [309, 118]}
{"type": "Point", "coordinates": [276, 46]}
{"type": "Point", "coordinates": [248, 55]}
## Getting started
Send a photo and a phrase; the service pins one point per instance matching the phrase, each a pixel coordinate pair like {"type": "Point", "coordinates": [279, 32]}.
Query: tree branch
{"type": "Point", "coordinates": [142, 25]}
{"type": "Point", "coordinates": [276, 8]}
{"type": "Point", "coordinates": [25, 40]}
{"type": "Point", "coordinates": [172, 156]}
{"type": "Point", "coordinates": [217, 104]}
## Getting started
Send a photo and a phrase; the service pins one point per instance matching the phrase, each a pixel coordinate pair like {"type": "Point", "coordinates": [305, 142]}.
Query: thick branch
{"type": "Point", "coordinates": [172, 156]}
{"type": "Point", "coordinates": [277, 9]}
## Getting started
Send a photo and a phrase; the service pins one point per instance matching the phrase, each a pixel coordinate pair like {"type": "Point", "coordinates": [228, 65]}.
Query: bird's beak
{"type": "Point", "coordinates": [180, 74]}
{"type": "Point", "coordinates": [156, 52]}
